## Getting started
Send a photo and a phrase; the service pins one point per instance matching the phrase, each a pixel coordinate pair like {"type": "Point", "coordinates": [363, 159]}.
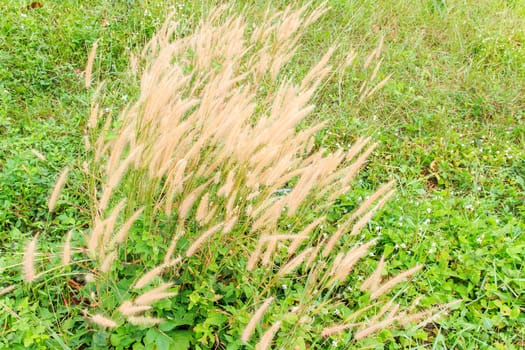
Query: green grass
{"type": "Point", "coordinates": [450, 124]}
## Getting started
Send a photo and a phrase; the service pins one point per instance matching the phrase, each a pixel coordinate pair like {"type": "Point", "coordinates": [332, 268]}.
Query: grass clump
{"type": "Point", "coordinates": [210, 201]}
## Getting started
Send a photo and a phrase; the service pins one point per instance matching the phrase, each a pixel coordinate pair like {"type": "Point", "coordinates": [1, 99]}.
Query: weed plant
{"type": "Point", "coordinates": [210, 202]}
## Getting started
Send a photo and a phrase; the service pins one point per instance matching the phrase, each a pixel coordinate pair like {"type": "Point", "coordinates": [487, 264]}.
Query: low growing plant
{"type": "Point", "coordinates": [210, 202]}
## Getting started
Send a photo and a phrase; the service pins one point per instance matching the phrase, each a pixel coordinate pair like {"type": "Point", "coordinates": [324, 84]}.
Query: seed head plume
{"type": "Point", "coordinates": [57, 189]}
{"type": "Point", "coordinates": [382, 289]}
{"type": "Point", "coordinates": [129, 309]}
{"type": "Point", "coordinates": [250, 327]}
{"type": "Point", "coordinates": [267, 337]}
{"type": "Point", "coordinates": [103, 321]}
{"type": "Point", "coordinates": [154, 294]}
{"type": "Point", "coordinates": [29, 260]}
{"type": "Point", "coordinates": [149, 276]}
{"type": "Point", "coordinates": [66, 251]}
{"type": "Point", "coordinates": [144, 320]}
{"type": "Point", "coordinates": [89, 65]}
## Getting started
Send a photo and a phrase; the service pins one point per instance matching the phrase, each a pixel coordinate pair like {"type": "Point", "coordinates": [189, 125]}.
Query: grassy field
{"type": "Point", "coordinates": [451, 127]}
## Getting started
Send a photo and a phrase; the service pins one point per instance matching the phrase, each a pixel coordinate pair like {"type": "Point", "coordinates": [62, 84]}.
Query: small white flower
{"type": "Point", "coordinates": [334, 343]}
{"type": "Point", "coordinates": [106, 109]}
{"type": "Point", "coordinates": [337, 312]}
{"type": "Point", "coordinates": [427, 221]}
{"type": "Point", "coordinates": [371, 254]}
{"type": "Point", "coordinates": [284, 286]}
{"type": "Point", "coordinates": [403, 245]}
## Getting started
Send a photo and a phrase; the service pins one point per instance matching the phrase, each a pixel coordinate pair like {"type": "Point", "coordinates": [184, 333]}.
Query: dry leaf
{"type": "Point", "coordinates": [34, 5]}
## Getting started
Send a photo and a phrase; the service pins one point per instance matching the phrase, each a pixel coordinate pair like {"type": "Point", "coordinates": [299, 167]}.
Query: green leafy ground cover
{"type": "Point", "coordinates": [450, 122]}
